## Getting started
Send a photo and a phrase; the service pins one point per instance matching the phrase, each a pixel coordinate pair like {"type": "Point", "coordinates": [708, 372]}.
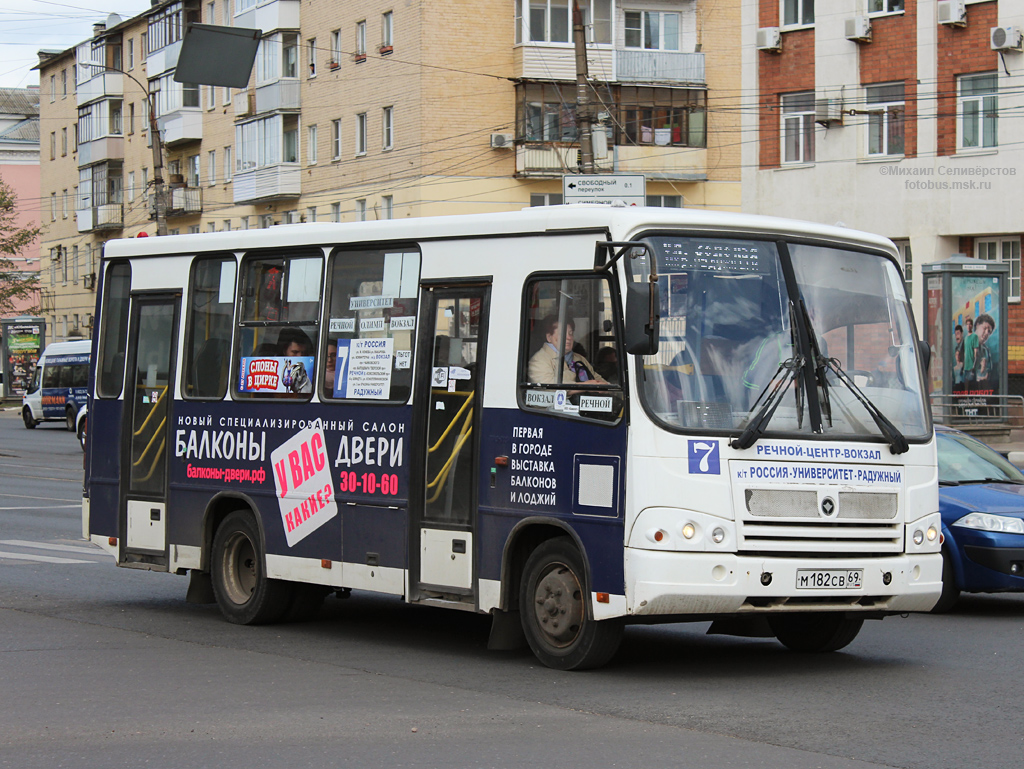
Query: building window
{"type": "Point", "coordinates": [115, 118]}
{"type": "Point", "coordinates": [291, 145]}
{"type": "Point", "coordinates": [978, 108]}
{"type": "Point", "coordinates": [665, 201]}
{"type": "Point", "coordinates": [64, 204]}
{"type": "Point", "coordinates": [335, 139]}
{"type": "Point", "coordinates": [168, 25]}
{"type": "Point", "coordinates": [361, 210]}
{"type": "Point", "coordinates": [228, 167]}
{"type": "Point", "coordinates": [361, 133]}
{"type": "Point", "coordinates": [798, 127]}
{"type": "Point", "coordinates": [63, 83]}
{"type": "Point", "coordinates": [550, 21]}
{"type": "Point", "coordinates": [387, 207]}
{"type": "Point", "coordinates": [311, 145]}
{"type": "Point", "coordinates": [797, 12]}
{"type": "Point", "coordinates": [131, 118]}
{"type": "Point", "coordinates": [311, 56]}
{"type": "Point", "coordinates": [652, 30]}
{"type": "Point", "coordinates": [171, 96]}
{"type": "Point", "coordinates": [311, 214]}
{"type": "Point", "coordinates": [361, 38]}
{"type": "Point", "coordinates": [226, 225]}
{"type": "Point", "coordinates": [1007, 251]}
{"type": "Point", "coordinates": [63, 142]}
{"type": "Point", "coordinates": [53, 145]}
{"type": "Point", "coordinates": [335, 61]}
{"type": "Point", "coordinates": [885, 6]}
{"type": "Point", "coordinates": [193, 229]}
{"type": "Point", "coordinates": [386, 32]}
{"type": "Point", "coordinates": [211, 227]}
{"type": "Point", "coordinates": [211, 167]}
{"type": "Point", "coordinates": [192, 165]}
{"type": "Point", "coordinates": [53, 206]}
{"type": "Point", "coordinates": [131, 53]}
{"type": "Point", "coordinates": [131, 186]}
{"type": "Point", "coordinates": [266, 142]}
{"type": "Point", "coordinates": [903, 246]}
{"type": "Point", "coordinates": [335, 212]}
{"type": "Point", "coordinates": [885, 109]}
{"type": "Point", "coordinates": [387, 118]}
{"type": "Point", "coordinates": [545, 199]}
{"type": "Point", "coordinates": [53, 88]}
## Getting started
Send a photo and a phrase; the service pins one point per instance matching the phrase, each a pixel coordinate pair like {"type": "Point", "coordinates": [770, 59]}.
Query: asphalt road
{"type": "Point", "coordinates": [106, 667]}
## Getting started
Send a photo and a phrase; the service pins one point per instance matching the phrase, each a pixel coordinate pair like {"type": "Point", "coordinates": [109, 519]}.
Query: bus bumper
{"type": "Point", "coordinates": [672, 583]}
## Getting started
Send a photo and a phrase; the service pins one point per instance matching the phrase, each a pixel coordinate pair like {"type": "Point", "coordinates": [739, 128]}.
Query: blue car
{"type": "Point", "coordinates": [981, 499]}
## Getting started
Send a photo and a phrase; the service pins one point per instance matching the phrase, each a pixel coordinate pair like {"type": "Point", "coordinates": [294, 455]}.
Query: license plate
{"type": "Point", "coordinates": [828, 579]}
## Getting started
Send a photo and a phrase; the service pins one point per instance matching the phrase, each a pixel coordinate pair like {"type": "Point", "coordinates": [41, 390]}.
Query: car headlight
{"type": "Point", "coordinates": [986, 522]}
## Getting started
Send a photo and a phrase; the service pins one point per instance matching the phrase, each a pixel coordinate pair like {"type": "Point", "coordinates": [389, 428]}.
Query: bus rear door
{"type": "Point", "coordinates": [149, 396]}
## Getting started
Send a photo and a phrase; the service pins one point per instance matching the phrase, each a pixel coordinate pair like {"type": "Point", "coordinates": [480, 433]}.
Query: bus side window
{"type": "Point", "coordinates": [372, 302]}
{"type": "Point", "coordinates": [211, 309]}
{"type": "Point", "coordinates": [51, 376]}
{"type": "Point", "coordinates": [279, 326]}
{"type": "Point", "coordinates": [80, 375]}
{"type": "Point", "coordinates": [113, 330]}
{"type": "Point", "coordinates": [67, 375]}
{"type": "Point", "coordinates": [571, 351]}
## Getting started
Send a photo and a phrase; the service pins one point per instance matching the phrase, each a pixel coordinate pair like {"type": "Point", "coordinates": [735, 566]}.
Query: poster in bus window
{"type": "Point", "coordinates": [363, 368]}
{"type": "Point", "coordinates": [977, 331]}
{"type": "Point", "coordinates": [270, 374]}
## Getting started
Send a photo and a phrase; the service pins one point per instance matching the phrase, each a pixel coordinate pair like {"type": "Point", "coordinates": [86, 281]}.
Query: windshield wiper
{"type": "Point", "coordinates": [897, 440]}
{"type": "Point", "coordinates": [775, 390]}
{"type": "Point", "coordinates": [820, 364]}
{"type": "Point", "coordinates": [991, 480]}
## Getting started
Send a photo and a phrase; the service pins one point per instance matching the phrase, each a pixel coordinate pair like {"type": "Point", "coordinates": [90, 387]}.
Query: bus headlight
{"type": "Point", "coordinates": [718, 535]}
{"type": "Point", "coordinates": [689, 530]}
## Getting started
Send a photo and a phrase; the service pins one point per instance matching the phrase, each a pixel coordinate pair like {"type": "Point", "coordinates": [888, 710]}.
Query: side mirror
{"type": "Point", "coordinates": [926, 356]}
{"type": "Point", "coordinates": [643, 304]}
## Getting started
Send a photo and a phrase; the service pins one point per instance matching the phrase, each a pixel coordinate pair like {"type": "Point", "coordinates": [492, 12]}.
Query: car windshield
{"type": "Point", "coordinates": [962, 459]}
{"type": "Point", "coordinates": [726, 334]}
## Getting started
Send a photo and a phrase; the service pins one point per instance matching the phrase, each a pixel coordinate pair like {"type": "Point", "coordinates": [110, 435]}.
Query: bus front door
{"type": "Point", "coordinates": [149, 390]}
{"type": "Point", "coordinates": [451, 380]}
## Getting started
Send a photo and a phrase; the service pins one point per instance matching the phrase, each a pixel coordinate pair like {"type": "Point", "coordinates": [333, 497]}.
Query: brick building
{"type": "Point", "coordinates": [893, 116]}
{"type": "Point", "coordinates": [19, 168]}
{"type": "Point", "coordinates": [376, 110]}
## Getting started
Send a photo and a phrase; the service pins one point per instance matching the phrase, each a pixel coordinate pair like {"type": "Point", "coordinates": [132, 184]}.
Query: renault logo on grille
{"type": "Point", "coordinates": [828, 507]}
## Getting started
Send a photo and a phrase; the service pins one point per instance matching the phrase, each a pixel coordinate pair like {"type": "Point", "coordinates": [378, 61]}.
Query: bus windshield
{"type": "Point", "coordinates": [728, 339]}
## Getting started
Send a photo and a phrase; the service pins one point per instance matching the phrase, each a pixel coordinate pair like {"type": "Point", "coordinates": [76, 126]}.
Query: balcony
{"type": "Point", "coordinates": [99, 87]}
{"type": "Point", "coordinates": [181, 126]}
{"type": "Point", "coordinates": [181, 201]}
{"type": "Point", "coordinates": [270, 16]}
{"type": "Point", "coordinates": [557, 61]}
{"type": "Point", "coordinates": [550, 160]}
{"type": "Point", "coordinates": [106, 217]}
{"type": "Point", "coordinates": [659, 67]}
{"type": "Point", "coordinates": [164, 60]}
{"type": "Point", "coordinates": [279, 95]}
{"type": "Point", "coordinates": [98, 150]}
{"type": "Point", "coordinates": [244, 104]}
{"type": "Point", "coordinates": [269, 183]}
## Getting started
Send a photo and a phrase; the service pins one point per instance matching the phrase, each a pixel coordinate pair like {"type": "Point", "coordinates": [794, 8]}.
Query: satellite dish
{"type": "Point", "coordinates": [113, 20]}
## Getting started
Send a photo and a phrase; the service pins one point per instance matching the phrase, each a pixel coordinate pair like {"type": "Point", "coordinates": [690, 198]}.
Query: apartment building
{"type": "Point", "coordinates": [371, 109]}
{"type": "Point", "coordinates": [893, 116]}
{"type": "Point", "coordinates": [19, 169]}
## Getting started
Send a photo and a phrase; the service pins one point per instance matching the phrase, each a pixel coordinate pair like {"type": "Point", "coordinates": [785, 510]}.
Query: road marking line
{"type": "Point", "coordinates": [40, 507]}
{"type": "Point", "coordinates": [45, 499]}
{"type": "Point", "coordinates": [46, 546]}
{"type": "Point", "coordinates": [41, 558]}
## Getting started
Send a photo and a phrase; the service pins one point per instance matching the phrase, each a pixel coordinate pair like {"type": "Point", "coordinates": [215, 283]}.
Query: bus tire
{"type": "Point", "coordinates": [26, 416]}
{"type": "Point", "coordinates": [814, 632]}
{"type": "Point", "coordinates": [244, 594]}
{"type": "Point", "coordinates": [69, 419]}
{"type": "Point", "coordinates": [553, 608]}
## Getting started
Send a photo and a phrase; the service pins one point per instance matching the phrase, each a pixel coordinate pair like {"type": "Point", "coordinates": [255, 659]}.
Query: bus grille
{"type": "Point", "coordinates": [791, 521]}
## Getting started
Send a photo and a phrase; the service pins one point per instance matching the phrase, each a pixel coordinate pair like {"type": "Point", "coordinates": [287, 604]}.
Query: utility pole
{"type": "Point", "coordinates": [159, 201]}
{"type": "Point", "coordinates": [584, 113]}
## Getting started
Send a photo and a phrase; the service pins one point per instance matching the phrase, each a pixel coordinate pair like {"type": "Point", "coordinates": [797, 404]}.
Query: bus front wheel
{"type": "Point", "coordinates": [69, 417]}
{"type": "Point", "coordinates": [244, 594]}
{"type": "Point", "coordinates": [553, 607]}
{"type": "Point", "coordinates": [26, 415]}
{"type": "Point", "coordinates": [825, 632]}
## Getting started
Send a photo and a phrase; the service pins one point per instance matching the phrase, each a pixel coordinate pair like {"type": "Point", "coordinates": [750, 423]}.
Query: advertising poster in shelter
{"type": "Point", "coordinates": [23, 344]}
{"type": "Point", "coordinates": [977, 335]}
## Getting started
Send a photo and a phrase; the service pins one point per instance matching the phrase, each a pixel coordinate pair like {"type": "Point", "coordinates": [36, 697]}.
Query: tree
{"type": "Point", "coordinates": [15, 285]}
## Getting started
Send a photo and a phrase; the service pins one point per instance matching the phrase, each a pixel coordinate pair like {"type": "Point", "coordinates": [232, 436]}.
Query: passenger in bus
{"type": "Point", "coordinates": [294, 343]}
{"type": "Point", "coordinates": [606, 364]}
{"type": "Point", "coordinates": [330, 365]}
{"type": "Point", "coordinates": [545, 362]}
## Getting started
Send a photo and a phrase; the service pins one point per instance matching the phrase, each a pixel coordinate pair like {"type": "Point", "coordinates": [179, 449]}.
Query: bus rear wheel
{"type": "Point", "coordinates": [553, 608]}
{"type": "Point", "coordinates": [26, 416]}
{"type": "Point", "coordinates": [69, 417]}
{"type": "Point", "coordinates": [824, 632]}
{"type": "Point", "coordinates": [244, 594]}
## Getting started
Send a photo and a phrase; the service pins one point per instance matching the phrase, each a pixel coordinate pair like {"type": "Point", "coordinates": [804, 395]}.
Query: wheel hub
{"type": "Point", "coordinates": [558, 604]}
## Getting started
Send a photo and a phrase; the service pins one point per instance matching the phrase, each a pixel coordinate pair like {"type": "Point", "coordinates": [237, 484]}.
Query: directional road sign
{"type": "Point", "coordinates": [605, 188]}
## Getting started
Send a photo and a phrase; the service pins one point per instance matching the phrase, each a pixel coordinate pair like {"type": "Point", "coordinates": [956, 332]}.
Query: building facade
{"type": "Point", "coordinates": [896, 117]}
{"type": "Point", "coordinates": [371, 109]}
{"type": "Point", "coordinates": [19, 169]}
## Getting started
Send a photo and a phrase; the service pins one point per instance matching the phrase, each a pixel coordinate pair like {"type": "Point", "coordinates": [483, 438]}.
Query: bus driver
{"type": "Point", "coordinates": [544, 363]}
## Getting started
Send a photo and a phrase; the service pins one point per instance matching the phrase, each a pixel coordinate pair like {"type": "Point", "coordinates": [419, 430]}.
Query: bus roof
{"type": "Point", "coordinates": [79, 347]}
{"type": "Point", "coordinates": [621, 221]}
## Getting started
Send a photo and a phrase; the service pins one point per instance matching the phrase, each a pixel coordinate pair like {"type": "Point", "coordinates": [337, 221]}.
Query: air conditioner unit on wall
{"type": "Point", "coordinates": [1005, 38]}
{"type": "Point", "coordinates": [952, 12]}
{"type": "Point", "coordinates": [858, 29]}
{"type": "Point", "coordinates": [769, 39]}
{"type": "Point", "coordinates": [503, 141]}
{"type": "Point", "coordinates": [827, 111]}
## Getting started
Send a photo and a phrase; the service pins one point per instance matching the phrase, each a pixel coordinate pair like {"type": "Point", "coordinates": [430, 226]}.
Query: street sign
{"type": "Point", "coordinates": [631, 189]}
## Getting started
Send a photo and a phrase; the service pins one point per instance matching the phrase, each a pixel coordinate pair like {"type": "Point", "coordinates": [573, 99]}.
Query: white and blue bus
{"type": "Point", "coordinates": [59, 386]}
{"type": "Point", "coordinates": [570, 418]}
